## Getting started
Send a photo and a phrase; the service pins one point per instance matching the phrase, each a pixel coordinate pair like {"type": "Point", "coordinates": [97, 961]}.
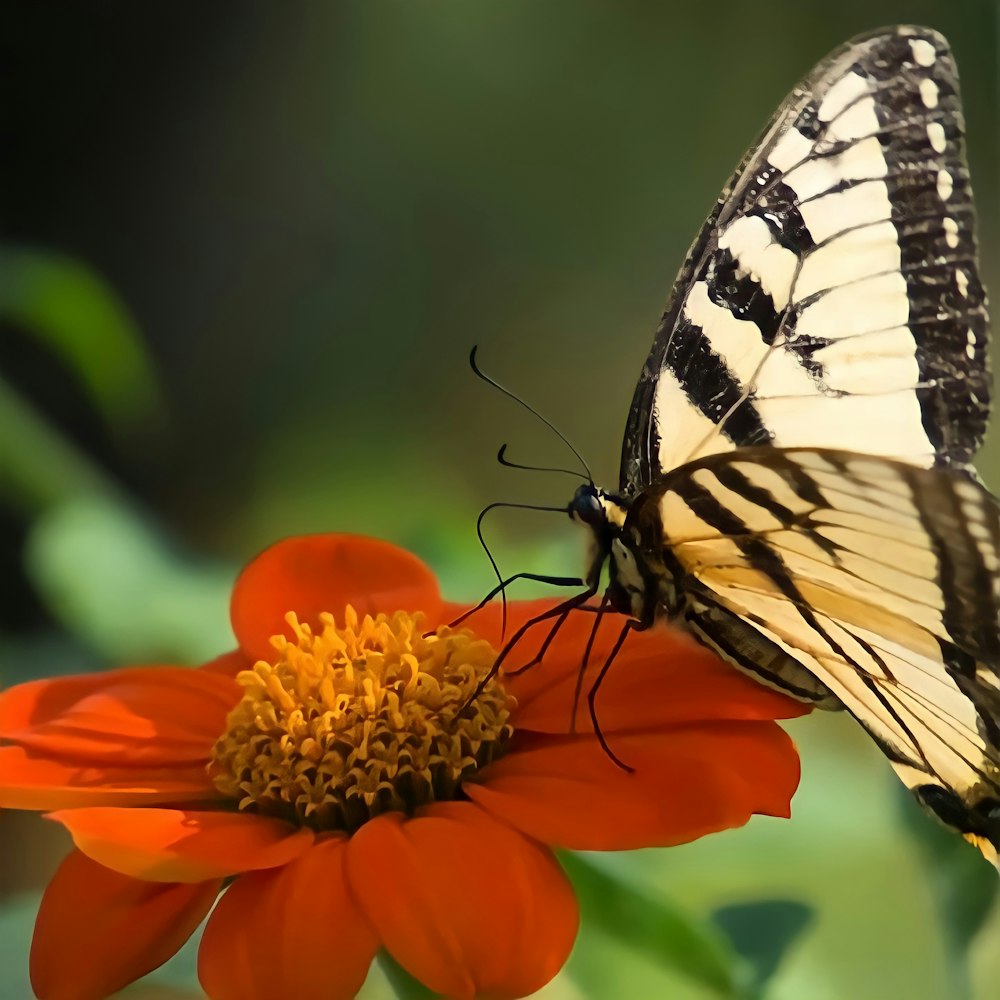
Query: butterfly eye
{"type": "Point", "coordinates": [587, 507]}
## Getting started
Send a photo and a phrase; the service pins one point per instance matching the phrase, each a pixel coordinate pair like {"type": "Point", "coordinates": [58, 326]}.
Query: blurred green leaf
{"type": "Point", "coordinates": [48, 653]}
{"type": "Point", "coordinates": [73, 312]}
{"type": "Point", "coordinates": [963, 884]}
{"type": "Point", "coordinates": [403, 984]}
{"type": "Point", "coordinates": [17, 921]}
{"type": "Point", "coordinates": [151, 991]}
{"type": "Point", "coordinates": [111, 578]}
{"type": "Point", "coordinates": [761, 932]}
{"type": "Point", "coordinates": [39, 467]}
{"type": "Point", "coordinates": [665, 934]}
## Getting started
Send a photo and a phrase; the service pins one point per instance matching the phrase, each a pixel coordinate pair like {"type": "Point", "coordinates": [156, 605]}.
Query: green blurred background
{"type": "Point", "coordinates": [246, 248]}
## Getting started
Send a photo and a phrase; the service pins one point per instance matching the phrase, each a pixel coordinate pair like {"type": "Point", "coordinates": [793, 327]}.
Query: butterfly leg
{"type": "Point", "coordinates": [556, 612]}
{"type": "Point", "coordinates": [543, 649]}
{"type": "Point", "coordinates": [552, 581]}
{"type": "Point", "coordinates": [632, 625]}
{"type": "Point", "coordinates": [584, 663]}
{"type": "Point", "coordinates": [598, 610]}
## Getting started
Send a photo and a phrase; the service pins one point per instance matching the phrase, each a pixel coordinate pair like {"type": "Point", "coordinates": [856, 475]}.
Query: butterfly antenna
{"type": "Point", "coordinates": [517, 399]}
{"type": "Point", "coordinates": [507, 463]}
{"type": "Point", "coordinates": [489, 555]}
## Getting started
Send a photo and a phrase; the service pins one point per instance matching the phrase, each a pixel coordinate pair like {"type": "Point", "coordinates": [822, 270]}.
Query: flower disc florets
{"type": "Point", "coordinates": [359, 720]}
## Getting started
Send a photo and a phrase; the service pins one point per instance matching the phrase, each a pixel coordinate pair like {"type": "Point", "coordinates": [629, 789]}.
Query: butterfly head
{"type": "Point", "coordinates": [636, 587]}
{"type": "Point", "coordinates": [603, 515]}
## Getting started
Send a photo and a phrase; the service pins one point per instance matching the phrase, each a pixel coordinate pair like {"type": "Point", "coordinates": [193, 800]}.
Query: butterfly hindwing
{"type": "Point", "coordinates": [832, 299]}
{"type": "Point", "coordinates": [795, 482]}
{"type": "Point", "coordinates": [877, 579]}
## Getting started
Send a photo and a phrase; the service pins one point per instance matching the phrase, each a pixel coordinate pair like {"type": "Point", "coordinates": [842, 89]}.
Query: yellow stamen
{"type": "Point", "coordinates": [361, 719]}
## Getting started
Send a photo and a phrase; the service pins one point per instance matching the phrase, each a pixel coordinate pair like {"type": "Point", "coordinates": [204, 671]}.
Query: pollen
{"type": "Point", "coordinates": [358, 719]}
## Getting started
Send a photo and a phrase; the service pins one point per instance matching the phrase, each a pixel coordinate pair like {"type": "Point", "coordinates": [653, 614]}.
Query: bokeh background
{"type": "Point", "coordinates": [245, 250]}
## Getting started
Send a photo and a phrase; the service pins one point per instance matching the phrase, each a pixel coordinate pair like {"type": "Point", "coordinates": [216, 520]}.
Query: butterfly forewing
{"type": "Point", "coordinates": [878, 579]}
{"type": "Point", "coordinates": [795, 467]}
{"type": "Point", "coordinates": [832, 299]}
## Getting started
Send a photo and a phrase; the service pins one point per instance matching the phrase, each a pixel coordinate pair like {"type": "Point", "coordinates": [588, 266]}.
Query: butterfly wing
{"type": "Point", "coordinates": [832, 299]}
{"type": "Point", "coordinates": [879, 579]}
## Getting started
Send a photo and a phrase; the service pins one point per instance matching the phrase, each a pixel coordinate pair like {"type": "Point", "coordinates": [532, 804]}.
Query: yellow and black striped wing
{"type": "Point", "coordinates": [877, 579]}
{"type": "Point", "coordinates": [832, 298]}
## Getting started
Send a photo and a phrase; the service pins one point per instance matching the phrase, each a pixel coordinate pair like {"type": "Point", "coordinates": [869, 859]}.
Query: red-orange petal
{"type": "Point", "coordinates": [660, 678]}
{"type": "Point", "coordinates": [32, 782]}
{"type": "Point", "coordinates": [156, 716]}
{"type": "Point", "coordinates": [97, 931]}
{"type": "Point", "coordinates": [310, 574]}
{"type": "Point", "coordinates": [182, 845]}
{"type": "Point", "coordinates": [688, 781]}
{"type": "Point", "coordinates": [295, 932]}
{"type": "Point", "coordinates": [466, 905]}
{"type": "Point", "coordinates": [229, 664]}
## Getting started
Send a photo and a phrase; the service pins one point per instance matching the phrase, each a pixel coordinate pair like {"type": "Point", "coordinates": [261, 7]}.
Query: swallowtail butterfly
{"type": "Point", "coordinates": [795, 481]}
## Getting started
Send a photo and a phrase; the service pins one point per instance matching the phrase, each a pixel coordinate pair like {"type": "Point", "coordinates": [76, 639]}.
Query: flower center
{"type": "Point", "coordinates": [359, 720]}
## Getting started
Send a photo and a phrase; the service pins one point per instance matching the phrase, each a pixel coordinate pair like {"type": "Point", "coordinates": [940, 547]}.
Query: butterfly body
{"type": "Point", "coordinates": [795, 484]}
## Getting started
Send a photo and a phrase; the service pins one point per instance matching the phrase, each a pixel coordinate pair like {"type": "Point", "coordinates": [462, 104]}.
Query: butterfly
{"type": "Point", "coordinates": [796, 487]}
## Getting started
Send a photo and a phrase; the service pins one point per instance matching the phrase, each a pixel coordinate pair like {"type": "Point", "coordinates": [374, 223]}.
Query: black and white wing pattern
{"type": "Point", "coordinates": [832, 298]}
{"type": "Point", "coordinates": [878, 579]}
{"type": "Point", "coordinates": [796, 460]}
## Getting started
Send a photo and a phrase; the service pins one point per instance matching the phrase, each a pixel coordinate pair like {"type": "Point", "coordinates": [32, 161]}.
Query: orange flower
{"type": "Point", "coordinates": [324, 764]}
